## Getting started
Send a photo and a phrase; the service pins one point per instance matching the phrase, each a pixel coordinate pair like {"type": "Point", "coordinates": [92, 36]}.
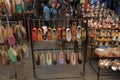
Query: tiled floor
{"type": "Point", "coordinates": [24, 70]}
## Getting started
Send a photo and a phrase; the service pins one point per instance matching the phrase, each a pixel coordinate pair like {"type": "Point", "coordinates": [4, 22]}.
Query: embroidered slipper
{"type": "Point", "coordinates": [79, 58]}
{"type": "Point", "coordinates": [37, 59]}
{"type": "Point", "coordinates": [59, 31]}
{"type": "Point", "coordinates": [18, 6]}
{"type": "Point", "coordinates": [44, 35]}
{"type": "Point", "coordinates": [12, 54]}
{"type": "Point", "coordinates": [49, 58]}
{"type": "Point", "coordinates": [73, 58]}
{"type": "Point", "coordinates": [20, 53]}
{"type": "Point", "coordinates": [78, 34]}
{"type": "Point", "coordinates": [54, 34]}
{"type": "Point", "coordinates": [73, 31]}
{"type": "Point", "coordinates": [42, 59]}
{"type": "Point", "coordinates": [13, 6]}
{"type": "Point", "coordinates": [49, 33]}
{"type": "Point", "coordinates": [63, 33]}
{"type": "Point", "coordinates": [18, 32]}
{"type": "Point", "coordinates": [8, 6]}
{"type": "Point", "coordinates": [61, 58]}
{"type": "Point", "coordinates": [68, 57]}
{"type": "Point", "coordinates": [54, 59]}
{"type": "Point", "coordinates": [68, 34]}
{"type": "Point", "coordinates": [34, 34]}
{"type": "Point", "coordinates": [10, 36]}
{"type": "Point", "coordinates": [40, 35]}
{"type": "Point", "coordinates": [2, 34]}
{"type": "Point", "coordinates": [83, 33]}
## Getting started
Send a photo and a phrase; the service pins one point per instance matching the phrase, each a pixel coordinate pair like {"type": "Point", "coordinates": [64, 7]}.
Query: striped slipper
{"type": "Point", "coordinates": [49, 58]}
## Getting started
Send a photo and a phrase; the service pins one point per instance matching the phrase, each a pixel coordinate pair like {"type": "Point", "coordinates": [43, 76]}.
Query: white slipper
{"type": "Point", "coordinates": [44, 29]}
{"type": "Point", "coordinates": [42, 59]}
{"type": "Point", "coordinates": [78, 35]}
{"type": "Point", "coordinates": [73, 58]}
{"type": "Point", "coordinates": [68, 34]}
{"type": "Point", "coordinates": [49, 58]}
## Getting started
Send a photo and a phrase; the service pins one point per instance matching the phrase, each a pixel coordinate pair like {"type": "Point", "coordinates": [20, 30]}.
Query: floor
{"type": "Point", "coordinates": [24, 71]}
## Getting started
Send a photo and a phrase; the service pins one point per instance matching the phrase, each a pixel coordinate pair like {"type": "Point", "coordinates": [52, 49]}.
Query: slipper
{"type": "Point", "coordinates": [12, 54]}
{"type": "Point", "coordinates": [73, 31]}
{"type": "Point", "coordinates": [34, 34]}
{"type": "Point", "coordinates": [17, 32]}
{"type": "Point", "coordinates": [54, 34]}
{"type": "Point", "coordinates": [4, 58]}
{"type": "Point", "coordinates": [78, 34]}
{"type": "Point", "coordinates": [13, 6]}
{"type": "Point", "coordinates": [68, 34]}
{"type": "Point", "coordinates": [49, 58]}
{"type": "Point", "coordinates": [118, 37]}
{"type": "Point", "coordinates": [25, 50]}
{"type": "Point", "coordinates": [42, 59]}
{"type": "Point", "coordinates": [18, 6]}
{"type": "Point", "coordinates": [68, 57]}
{"type": "Point", "coordinates": [8, 6]}
{"type": "Point", "coordinates": [49, 33]}
{"type": "Point", "coordinates": [37, 59]}
{"type": "Point", "coordinates": [20, 53]}
{"type": "Point", "coordinates": [54, 59]}
{"type": "Point", "coordinates": [2, 34]}
{"type": "Point", "coordinates": [79, 58]}
{"type": "Point", "coordinates": [59, 31]}
{"type": "Point", "coordinates": [63, 33]}
{"type": "Point", "coordinates": [40, 35]}
{"type": "Point", "coordinates": [73, 58]}
{"type": "Point", "coordinates": [61, 58]}
{"type": "Point", "coordinates": [10, 36]}
{"type": "Point", "coordinates": [23, 30]}
{"type": "Point", "coordinates": [44, 34]}
{"type": "Point", "coordinates": [83, 33]}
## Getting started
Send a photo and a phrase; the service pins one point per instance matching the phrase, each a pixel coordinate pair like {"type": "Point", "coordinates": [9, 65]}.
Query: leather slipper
{"type": "Point", "coordinates": [78, 34]}
{"type": "Point", "coordinates": [59, 31]}
{"type": "Point", "coordinates": [54, 34]}
{"type": "Point", "coordinates": [68, 34]}
{"type": "Point", "coordinates": [54, 59]}
{"type": "Point", "coordinates": [63, 33]}
{"type": "Point", "coordinates": [44, 34]}
{"type": "Point", "coordinates": [73, 58]}
{"type": "Point", "coordinates": [42, 59]}
{"type": "Point", "coordinates": [83, 32]}
{"type": "Point", "coordinates": [34, 34]}
{"type": "Point", "coordinates": [37, 59]}
{"type": "Point", "coordinates": [61, 58]}
{"type": "Point", "coordinates": [79, 58]}
{"type": "Point", "coordinates": [68, 57]}
{"type": "Point", "coordinates": [49, 58]}
{"type": "Point", "coordinates": [49, 36]}
{"type": "Point", "coordinates": [40, 35]}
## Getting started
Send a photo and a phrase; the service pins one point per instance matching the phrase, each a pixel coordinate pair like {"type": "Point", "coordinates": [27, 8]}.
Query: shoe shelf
{"type": "Point", "coordinates": [13, 48]}
{"type": "Point", "coordinates": [65, 42]}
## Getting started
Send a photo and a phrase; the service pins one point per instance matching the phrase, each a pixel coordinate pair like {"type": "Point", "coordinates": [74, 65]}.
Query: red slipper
{"type": "Point", "coordinates": [34, 34]}
{"type": "Point", "coordinates": [59, 33]}
{"type": "Point", "coordinates": [63, 33]}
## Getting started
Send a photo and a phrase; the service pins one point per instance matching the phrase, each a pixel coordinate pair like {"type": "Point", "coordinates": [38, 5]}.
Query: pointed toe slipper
{"type": "Point", "coordinates": [59, 31]}
{"type": "Point", "coordinates": [68, 34]}
{"type": "Point", "coordinates": [34, 34]}
{"type": "Point", "coordinates": [68, 57]}
{"type": "Point", "coordinates": [79, 58]}
{"type": "Point", "coordinates": [54, 34]}
{"type": "Point", "coordinates": [73, 58]}
{"type": "Point", "coordinates": [40, 38]}
{"type": "Point", "coordinates": [63, 33]}
{"type": "Point", "coordinates": [61, 58]}
{"type": "Point", "coordinates": [44, 34]}
{"type": "Point", "coordinates": [49, 58]}
{"type": "Point", "coordinates": [83, 32]}
{"type": "Point", "coordinates": [42, 59]}
{"type": "Point", "coordinates": [78, 34]}
{"type": "Point", "coordinates": [54, 59]}
{"type": "Point", "coordinates": [37, 59]}
{"type": "Point", "coordinates": [49, 36]}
